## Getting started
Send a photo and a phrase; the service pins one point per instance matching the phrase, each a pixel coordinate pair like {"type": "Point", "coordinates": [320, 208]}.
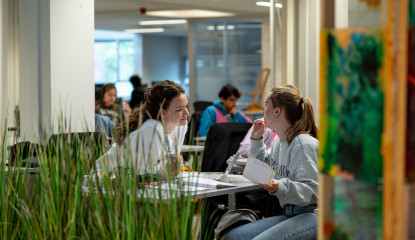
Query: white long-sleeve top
{"type": "Point", "coordinates": [145, 150]}
{"type": "Point", "coordinates": [295, 166]}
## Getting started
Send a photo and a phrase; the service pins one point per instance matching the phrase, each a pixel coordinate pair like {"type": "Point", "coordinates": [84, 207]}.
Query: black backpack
{"type": "Point", "coordinates": [233, 219]}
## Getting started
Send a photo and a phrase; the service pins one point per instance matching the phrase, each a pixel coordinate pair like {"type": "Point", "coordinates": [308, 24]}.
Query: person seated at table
{"type": "Point", "coordinates": [293, 156]}
{"type": "Point", "coordinates": [150, 142]}
{"type": "Point", "coordinates": [108, 107]}
{"type": "Point", "coordinates": [224, 110]}
{"type": "Point", "coordinates": [245, 145]}
{"type": "Point", "coordinates": [102, 123]}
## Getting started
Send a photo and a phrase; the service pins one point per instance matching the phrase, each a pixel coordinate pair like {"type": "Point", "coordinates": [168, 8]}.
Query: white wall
{"type": "Point", "coordinates": [9, 97]}
{"type": "Point", "coordinates": [308, 51]}
{"type": "Point", "coordinates": [57, 66]}
{"type": "Point", "coordinates": [3, 83]}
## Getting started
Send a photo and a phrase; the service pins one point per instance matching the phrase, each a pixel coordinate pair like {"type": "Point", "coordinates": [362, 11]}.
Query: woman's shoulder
{"type": "Point", "coordinates": [306, 140]}
{"type": "Point", "coordinates": [150, 125]}
{"type": "Point", "coordinates": [181, 130]}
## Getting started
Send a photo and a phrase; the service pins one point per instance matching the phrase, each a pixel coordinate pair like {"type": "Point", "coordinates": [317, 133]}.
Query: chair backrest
{"type": "Point", "coordinates": [23, 150]}
{"type": "Point", "coordinates": [222, 141]}
{"type": "Point", "coordinates": [93, 144]}
{"type": "Point", "coordinates": [201, 105]}
{"type": "Point", "coordinates": [193, 128]}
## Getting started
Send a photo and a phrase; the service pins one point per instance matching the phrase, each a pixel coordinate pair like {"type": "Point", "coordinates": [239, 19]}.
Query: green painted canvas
{"type": "Point", "coordinates": [351, 101]}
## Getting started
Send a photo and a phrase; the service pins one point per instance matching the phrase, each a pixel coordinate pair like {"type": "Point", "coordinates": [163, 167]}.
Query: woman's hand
{"type": "Point", "coordinates": [258, 130]}
{"type": "Point", "coordinates": [234, 110]}
{"type": "Point", "coordinates": [272, 188]}
{"type": "Point", "coordinates": [173, 166]}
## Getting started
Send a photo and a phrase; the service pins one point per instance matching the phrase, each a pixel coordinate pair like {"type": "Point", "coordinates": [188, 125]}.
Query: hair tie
{"type": "Point", "coordinates": [147, 95]}
{"type": "Point", "coordinates": [300, 109]}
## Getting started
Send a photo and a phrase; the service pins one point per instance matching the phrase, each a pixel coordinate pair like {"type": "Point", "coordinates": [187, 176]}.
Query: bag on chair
{"type": "Point", "coordinates": [233, 219]}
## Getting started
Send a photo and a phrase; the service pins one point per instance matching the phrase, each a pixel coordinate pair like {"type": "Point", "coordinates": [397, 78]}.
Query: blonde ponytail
{"type": "Point", "coordinates": [298, 111]}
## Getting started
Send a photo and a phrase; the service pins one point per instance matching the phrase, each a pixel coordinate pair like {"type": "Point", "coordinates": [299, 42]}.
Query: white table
{"type": "Point", "coordinates": [252, 114]}
{"type": "Point", "coordinates": [239, 161]}
{"type": "Point", "coordinates": [200, 140]}
{"type": "Point", "coordinates": [198, 158]}
{"type": "Point", "coordinates": [240, 184]}
{"type": "Point", "coordinates": [21, 169]}
{"type": "Point", "coordinates": [192, 148]}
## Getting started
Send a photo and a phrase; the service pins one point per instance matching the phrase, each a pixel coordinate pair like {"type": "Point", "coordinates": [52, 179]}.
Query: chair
{"type": "Point", "coordinates": [200, 106]}
{"type": "Point", "coordinates": [222, 141]}
{"type": "Point", "coordinates": [22, 151]}
{"type": "Point", "coordinates": [193, 128]}
{"type": "Point", "coordinates": [89, 145]}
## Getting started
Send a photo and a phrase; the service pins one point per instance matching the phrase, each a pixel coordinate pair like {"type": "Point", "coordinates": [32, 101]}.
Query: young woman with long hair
{"type": "Point", "coordinates": [150, 142]}
{"type": "Point", "coordinates": [293, 156]}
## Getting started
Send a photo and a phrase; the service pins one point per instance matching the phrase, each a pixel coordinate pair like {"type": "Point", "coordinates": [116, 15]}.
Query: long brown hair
{"type": "Point", "coordinates": [298, 111]}
{"type": "Point", "coordinates": [157, 99]}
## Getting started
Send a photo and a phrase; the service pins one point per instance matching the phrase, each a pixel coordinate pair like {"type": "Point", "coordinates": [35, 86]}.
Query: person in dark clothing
{"type": "Point", "coordinates": [137, 96]}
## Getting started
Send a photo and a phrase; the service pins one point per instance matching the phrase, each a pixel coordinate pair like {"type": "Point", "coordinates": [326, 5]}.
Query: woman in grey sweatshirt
{"type": "Point", "coordinates": [293, 156]}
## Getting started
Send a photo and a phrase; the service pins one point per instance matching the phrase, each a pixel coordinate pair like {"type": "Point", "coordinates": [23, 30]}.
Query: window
{"type": "Point", "coordinates": [115, 60]}
{"type": "Point", "coordinates": [226, 52]}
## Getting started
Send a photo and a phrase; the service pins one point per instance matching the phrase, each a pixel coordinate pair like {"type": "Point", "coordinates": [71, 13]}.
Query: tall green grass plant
{"type": "Point", "coordinates": [59, 202]}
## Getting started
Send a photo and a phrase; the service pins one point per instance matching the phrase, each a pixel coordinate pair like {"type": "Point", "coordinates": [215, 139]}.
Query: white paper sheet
{"type": "Point", "coordinates": [258, 171]}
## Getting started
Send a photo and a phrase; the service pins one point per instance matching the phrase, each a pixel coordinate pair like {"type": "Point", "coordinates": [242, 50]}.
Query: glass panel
{"type": "Point", "coordinates": [126, 58]}
{"type": "Point", "coordinates": [105, 61]}
{"type": "Point", "coordinates": [226, 52]}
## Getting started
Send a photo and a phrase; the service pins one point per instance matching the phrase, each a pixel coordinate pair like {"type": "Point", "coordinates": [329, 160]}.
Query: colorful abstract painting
{"type": "Point", "coordinates": [357, 211]}
{"type": "Point", "coordinates": [351, 100]}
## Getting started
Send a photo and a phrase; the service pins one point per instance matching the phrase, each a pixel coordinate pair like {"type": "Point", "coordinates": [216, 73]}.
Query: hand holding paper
{"type": "Point", "coordinates": [258, 171]}
{"type": "Point", "coordinates": [272, 187]}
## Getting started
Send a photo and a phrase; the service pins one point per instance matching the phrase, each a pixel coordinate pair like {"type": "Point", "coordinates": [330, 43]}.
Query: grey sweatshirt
{"type": "Point", "coordinates": [295, 166]}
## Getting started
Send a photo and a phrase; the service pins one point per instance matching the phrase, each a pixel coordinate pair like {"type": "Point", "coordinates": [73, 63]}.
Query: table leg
{"type": "Point", "coordinates": [232, 201]}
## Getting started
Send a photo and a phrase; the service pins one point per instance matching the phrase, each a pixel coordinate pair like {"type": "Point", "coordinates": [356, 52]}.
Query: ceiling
{"type": "Point", "coordinates": [124, 14]}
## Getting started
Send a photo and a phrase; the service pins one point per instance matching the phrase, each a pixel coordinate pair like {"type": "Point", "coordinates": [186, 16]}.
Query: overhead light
{"type": "Point", "coordinates": [267, 4]}
{"type": "Point", "coordinates": [163, 22]}
{"type": "Point", "coordinates": [144, 30]}
{"type": "Point", "coordinates": [220, 27]}
{"type": "Point", "coordinates": [191, 13]}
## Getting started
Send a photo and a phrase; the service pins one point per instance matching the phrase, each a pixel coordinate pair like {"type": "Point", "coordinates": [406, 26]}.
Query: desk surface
{"type": "Point", "coordinates": [240, 184]}
{"type": "Point", "coordinates": [240, 161]}
{"type": "Point", "coordinates": [21, 169]}
{"type": "Point", "coordinates": [192, 148]}
{"type": "Point", "coordinates": [253, 112]}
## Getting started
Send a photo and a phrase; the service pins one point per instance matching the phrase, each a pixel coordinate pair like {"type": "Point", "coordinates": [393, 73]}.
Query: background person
{"type": "Point", "coordinates": [108, 107]}
{"type": "Point", "coordinates": [293, 156]}
{"type": "Point", "coordinates": [245, 145]}
{"type": "Point", "coordinates": [137, 96]}
{"type": "Point", "coordinates": [102, 123]}
{"type": "Point", "coordinates": [224, 110]}
{"type": "Point", "coordinates": [152, 138]}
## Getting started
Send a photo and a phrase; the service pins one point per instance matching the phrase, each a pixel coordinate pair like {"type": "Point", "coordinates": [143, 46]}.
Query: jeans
{"type": "Point", "coordinates": [301, 226]}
